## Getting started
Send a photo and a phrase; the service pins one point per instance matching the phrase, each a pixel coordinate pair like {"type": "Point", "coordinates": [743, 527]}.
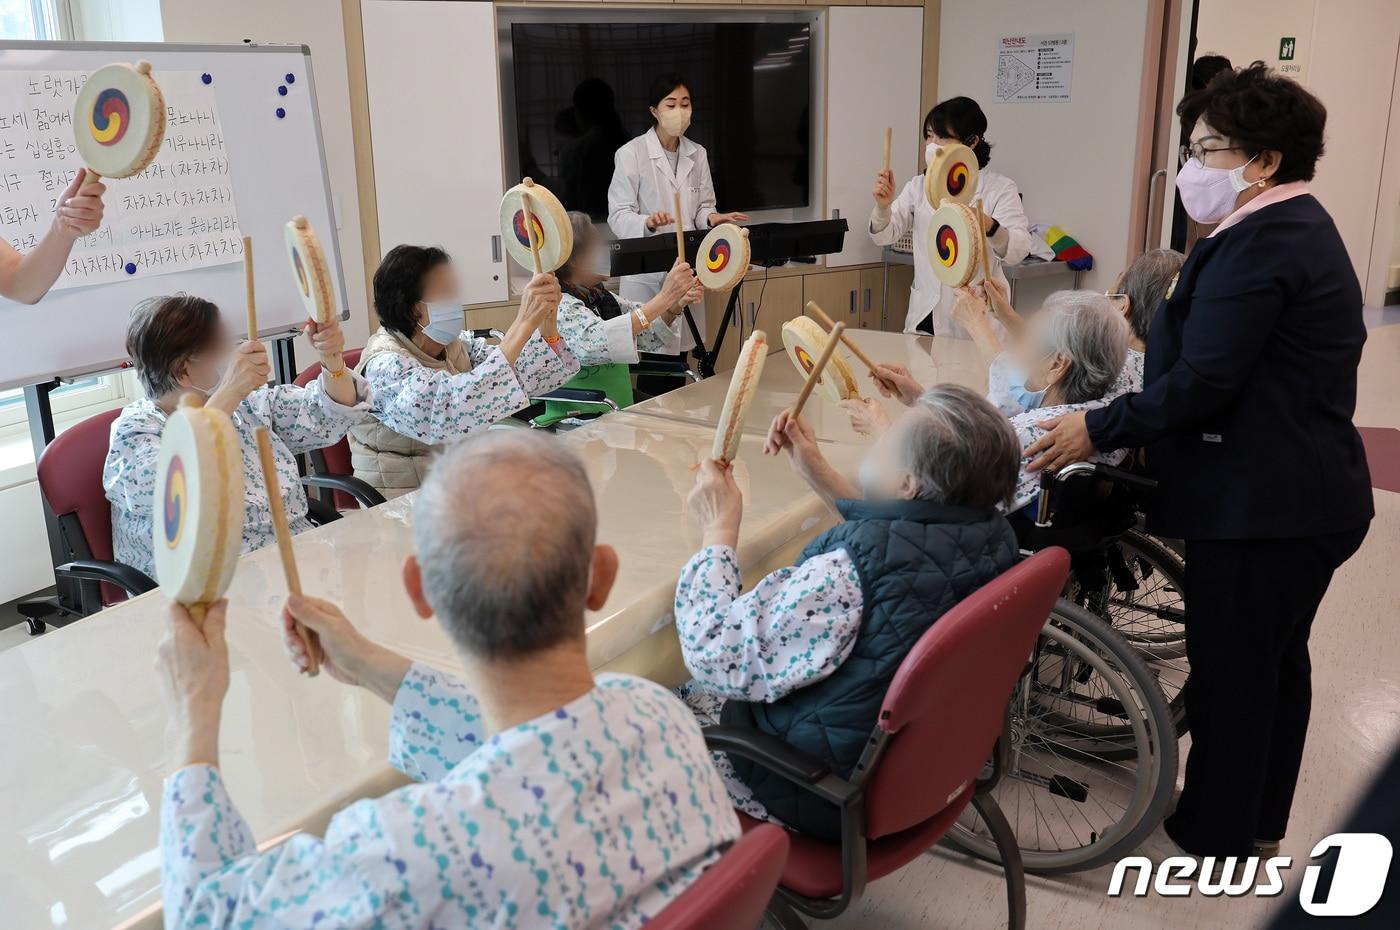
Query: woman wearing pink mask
{"type": "Point", "coordinates": [956, 120]}
{"type": "Point", "coordinates": [647, 174]}
{"type": "Point", "coordinates": [1246, 409]}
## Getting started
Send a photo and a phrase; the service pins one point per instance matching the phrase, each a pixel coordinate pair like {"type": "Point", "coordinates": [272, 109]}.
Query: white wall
{"type": "Point", "coordinates": [117, 20]}
{"type": "Point", "coordinates": [1347, 52]}
{"type": "Point", "coordinates": [320, 25]}
{"type": "Point", "coordinates": [1073, 160]}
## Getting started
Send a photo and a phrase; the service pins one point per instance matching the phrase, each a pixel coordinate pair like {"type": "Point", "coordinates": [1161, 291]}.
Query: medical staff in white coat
{"type": "Point", "coordinates": [647, 172]}
{"type": "Point", "coordinates": [958, 119]}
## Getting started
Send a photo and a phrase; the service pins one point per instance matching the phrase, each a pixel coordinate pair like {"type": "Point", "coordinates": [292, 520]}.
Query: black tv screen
{"type": "Point", "coordinates": [580, 91]}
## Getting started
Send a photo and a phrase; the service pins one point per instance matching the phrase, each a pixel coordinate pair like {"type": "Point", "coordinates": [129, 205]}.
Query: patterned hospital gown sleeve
{"type": "Point", "coordinates": [596, 341]}
{"type": "Point", "coordinates": [307, 419]}
{"type": "Point", "coordinates": [540, 368]}
{"type": "Point", "coordinates": [436, 723]}
{"type": "Point", "coordinates": [1028, 431]}
{"type": "Point", "coordinates": [793, 629]}
{"type": "Point", "coordinates": [433, 405]}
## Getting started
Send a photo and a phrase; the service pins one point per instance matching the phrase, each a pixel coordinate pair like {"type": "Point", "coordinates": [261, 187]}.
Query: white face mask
{"type": "Point", "coordinates": [931, 151]}
{"type": "Point", "coordinates": [674, 121]}
{"type": "Point", "coordinates": [1209, 194]}
{"type": "Point", "coordinates": [602, 261]}
{"type": "Point", "coordinates": [220, 370]}
{"type": "Point", "coordinates": [444, 321]}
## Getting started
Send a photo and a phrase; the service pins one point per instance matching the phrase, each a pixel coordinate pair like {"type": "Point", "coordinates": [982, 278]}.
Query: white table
{"type": "Point", "coordinates": [83, 723]}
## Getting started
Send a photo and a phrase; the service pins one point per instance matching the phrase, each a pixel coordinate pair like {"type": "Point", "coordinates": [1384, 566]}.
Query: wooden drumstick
{"type": "Point", "coordinates": [680, 234]}
{"type": "Point", "coordinates": [815, 374]}
{"type": "Point", "coordinates": [248, 283]}
{"type": "Point", "coordinates": [284, 544]}
{"type": "Point", "coordinates": [820, 315]}
{"type": "Point", "coordinates": [530, 226]}
{"type": "Point", "coordinates": [889, 138]}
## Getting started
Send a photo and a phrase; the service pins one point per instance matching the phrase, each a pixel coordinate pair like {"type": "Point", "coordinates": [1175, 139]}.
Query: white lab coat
{"type": "Point", "coordinates": [1010, 245]}
{"type": "Point", "coordinates": [643, 184]}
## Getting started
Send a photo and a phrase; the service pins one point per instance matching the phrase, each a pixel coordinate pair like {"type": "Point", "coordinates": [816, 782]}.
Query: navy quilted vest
{"type": "Point", "coordinates": [916, 559]}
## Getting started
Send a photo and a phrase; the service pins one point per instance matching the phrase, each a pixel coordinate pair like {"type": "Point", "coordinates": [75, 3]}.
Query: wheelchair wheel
{"type": "Point", "coordinates": [1144, 599]}
{"type": "Point", "coordinates": [1093, 755]}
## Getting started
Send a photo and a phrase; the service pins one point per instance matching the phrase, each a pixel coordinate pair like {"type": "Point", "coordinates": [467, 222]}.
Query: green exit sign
{"type": "Point", "coordinates": [1286, 47]}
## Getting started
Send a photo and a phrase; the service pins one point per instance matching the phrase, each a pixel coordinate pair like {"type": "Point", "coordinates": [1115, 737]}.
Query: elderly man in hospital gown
{"type": "Point", "coordinates": [544, 797]}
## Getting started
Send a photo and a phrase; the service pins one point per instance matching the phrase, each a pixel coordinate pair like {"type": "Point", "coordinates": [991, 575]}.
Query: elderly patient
{"type": "Point", "coordinates": [809, 652]}
{"type": "Point", "coordinates": [180, 345]}
{"type": "Point", "coordinates": [545, 797]}
{"type": "Point", "coordinates": [1070, 355]}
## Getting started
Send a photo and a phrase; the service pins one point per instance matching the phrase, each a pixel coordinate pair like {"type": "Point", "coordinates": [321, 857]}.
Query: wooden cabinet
{"type": "Point", "coordinates": [764, 305]}
{"type": "Point", "coordinates": [838, 293]}
{"type": "Point", "coordinates": [901, 278]}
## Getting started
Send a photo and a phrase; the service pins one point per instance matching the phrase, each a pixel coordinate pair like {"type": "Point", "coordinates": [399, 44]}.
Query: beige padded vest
{"type": "Point", "coordinates": [394, 464]}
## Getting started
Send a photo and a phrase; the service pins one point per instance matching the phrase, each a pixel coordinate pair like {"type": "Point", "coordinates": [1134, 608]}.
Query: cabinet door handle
{"type": "Point", "coordinates": [867, 300]}
{"type": "Point", "coordinates": [495, 248]}
{"type": "Point", "coordinates": [853, 302]}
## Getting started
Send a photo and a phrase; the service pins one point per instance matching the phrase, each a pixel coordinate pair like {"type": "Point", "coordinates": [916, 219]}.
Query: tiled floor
{"type": "Point", "coordinates": [1355, 724]}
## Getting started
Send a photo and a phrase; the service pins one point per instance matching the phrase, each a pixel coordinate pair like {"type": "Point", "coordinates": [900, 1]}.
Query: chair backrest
{"type": "Point", "coordinates": [733, 893]}
{"type": "Point", "coordinates": [70, 478]}
{"type": "Point", "coordinates": [946, 706]}
{"type": "Point", "coordinates": [335, 460]}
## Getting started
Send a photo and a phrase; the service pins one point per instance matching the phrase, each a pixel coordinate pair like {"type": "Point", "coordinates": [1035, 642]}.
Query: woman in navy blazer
{"type": "Point", "coordinates": [1245, 413]}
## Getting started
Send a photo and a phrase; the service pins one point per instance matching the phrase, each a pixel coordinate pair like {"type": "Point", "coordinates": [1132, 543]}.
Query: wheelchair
{"type": "Point", "coordinates": [1092, 735]}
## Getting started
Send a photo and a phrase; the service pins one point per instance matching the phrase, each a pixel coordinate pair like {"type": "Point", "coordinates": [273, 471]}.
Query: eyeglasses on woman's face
{"type": "Point", "coordinates": [1199, 151]}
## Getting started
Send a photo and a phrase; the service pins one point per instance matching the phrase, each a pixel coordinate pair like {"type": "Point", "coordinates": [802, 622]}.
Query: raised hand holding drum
{"type": "Point", "coordinates": [805, 340]}
{"type": "Point", "coordinates": [955, 244]}
{"type": "Point", "coordinates": [118, 121]}
{"type": "Point", "coordinates": [743, 384]}
{"type": "Point", "coordinates": [198, 520]}
{"type": "Point", "coordinates": [552, 232]}
{"type": "Point", "coordinates": [952, 176]}
{"type": "Point", "coordinates": [723, 257]}
{"type": "Point", "coordinates": [313, 279]}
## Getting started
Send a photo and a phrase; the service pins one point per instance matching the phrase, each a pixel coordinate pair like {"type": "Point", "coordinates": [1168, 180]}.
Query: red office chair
{"type": "Point", "coordinates": [331, 466]}
{"type": "Point", "coordinates": [733, 893]}
{"type": "Point", "coordinates": [942, 718]}
{"type": "Point", "coordinates": [70, 478]}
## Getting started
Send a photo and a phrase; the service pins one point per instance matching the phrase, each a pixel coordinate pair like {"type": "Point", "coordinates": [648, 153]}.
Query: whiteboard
{"type": "Point", "coordinates": [277, 169]}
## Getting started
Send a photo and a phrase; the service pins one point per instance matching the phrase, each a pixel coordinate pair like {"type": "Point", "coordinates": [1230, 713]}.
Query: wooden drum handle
{"type": "Point", "coordinates": [284, 543]}
{"type": "Point", "coordinates": [816, 373]}
{"type": "Point", "coordinates": [248, 285]}
{"type": "Point", "coordinates": [525, 204]}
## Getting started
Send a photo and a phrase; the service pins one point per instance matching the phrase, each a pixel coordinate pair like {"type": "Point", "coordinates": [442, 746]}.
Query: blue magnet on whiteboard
{"type": "Point", "coordinates": [291, 78]}
{"type": "Point", "coordinates": [282, 89]}
{"type": "Point", "coordinates": [207, 78]}
{"type": "Point", "coordinates": [131, 268]}
{"type": "Point", "coordinates": [281, 113]}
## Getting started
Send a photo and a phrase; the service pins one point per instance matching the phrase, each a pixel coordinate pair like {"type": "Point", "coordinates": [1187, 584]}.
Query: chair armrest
{"type": "Point", "coordinates": [664, 369]}
{"type": "Point", "coordinates": [577, 396]}
{"type": "Point", "coordinates": [813, 775]}
{"type": "Point", "coordinates": [361, 490]}
{"type": "Point", "coordinates": [131, 580]}
{"type": "Point", "coordinates": [800, 768]}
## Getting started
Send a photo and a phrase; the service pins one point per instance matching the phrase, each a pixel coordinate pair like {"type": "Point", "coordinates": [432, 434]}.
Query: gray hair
{"type": "Point", "coordinates": [1145, 282]}
{"type": "Point", "coordinates": [1084, 326]}
{"type": "Point", "coordinates": [504, 528]}
{"type": "Point", "coordinates": [961, 450]}
{"type": "Point", "coordinates": [584, 232]}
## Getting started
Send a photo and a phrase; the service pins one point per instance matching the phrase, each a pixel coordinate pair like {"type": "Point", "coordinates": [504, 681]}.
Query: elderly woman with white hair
{"type": "Point", "coordinates": [808, 652]}
{"type": "Point", "coordinates": [1137, 294]}
{"type": "Point", "coordinates": [1068, 356]}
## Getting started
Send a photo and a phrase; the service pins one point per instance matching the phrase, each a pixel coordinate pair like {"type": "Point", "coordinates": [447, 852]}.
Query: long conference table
{"type": "Point", "coordinates": [82, 721]}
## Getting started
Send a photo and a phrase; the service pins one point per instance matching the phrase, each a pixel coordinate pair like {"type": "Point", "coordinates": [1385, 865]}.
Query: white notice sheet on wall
{"type": "Point", "coordinates": [1031, 68]}
{"type": "Point", "coordinates": [176, 215]}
